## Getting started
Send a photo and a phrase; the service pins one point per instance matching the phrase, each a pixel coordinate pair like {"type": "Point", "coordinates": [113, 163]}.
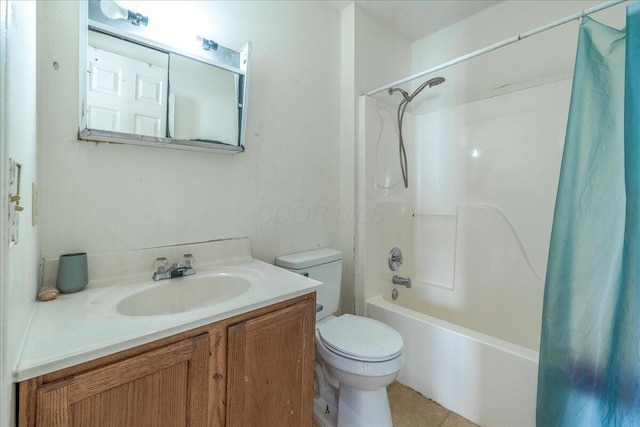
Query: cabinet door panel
{"type": "Point", "coordinates": [270, 369]}
{"type": "Point", "coordinates": [158, 388]}
{"type": "Point", "coordinates": [159, 399]}
{"type": "Point", "coordinates": [53, 405]}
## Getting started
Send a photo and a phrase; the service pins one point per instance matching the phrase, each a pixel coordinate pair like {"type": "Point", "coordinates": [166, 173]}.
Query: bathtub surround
{"type": "Point", "coordinates": [473, 239]}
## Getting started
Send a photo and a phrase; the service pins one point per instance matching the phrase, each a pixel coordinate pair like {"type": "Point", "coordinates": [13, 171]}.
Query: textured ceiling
{"type": "Point", "coordinates": [415, 19]}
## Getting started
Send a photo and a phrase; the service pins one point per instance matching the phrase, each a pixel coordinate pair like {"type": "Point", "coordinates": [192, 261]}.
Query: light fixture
{"type": "Point", "coordinates": [113, 10]}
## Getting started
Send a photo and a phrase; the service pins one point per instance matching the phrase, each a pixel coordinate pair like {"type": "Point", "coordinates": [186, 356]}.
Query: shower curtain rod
{"type": "Point", "coordinates": [498, 45]}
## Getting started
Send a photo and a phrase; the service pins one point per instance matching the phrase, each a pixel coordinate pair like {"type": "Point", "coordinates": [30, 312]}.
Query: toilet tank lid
{"type": "Point", "coordinates": [308, 258]}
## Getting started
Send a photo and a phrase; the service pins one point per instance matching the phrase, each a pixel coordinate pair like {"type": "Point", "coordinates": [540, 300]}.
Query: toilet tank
{"type": "Point", "coordinates": [324, 265]}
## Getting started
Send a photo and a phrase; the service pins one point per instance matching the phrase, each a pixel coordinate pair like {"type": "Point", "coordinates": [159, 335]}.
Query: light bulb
{"type": "Point", "coordinates": [113, 10]}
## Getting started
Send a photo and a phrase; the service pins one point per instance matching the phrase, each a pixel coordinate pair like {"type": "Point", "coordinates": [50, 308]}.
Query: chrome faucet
{"type": "Point", "coordinates": [179, 269]}
{"type": "Point", "coordinates": [404, 281]}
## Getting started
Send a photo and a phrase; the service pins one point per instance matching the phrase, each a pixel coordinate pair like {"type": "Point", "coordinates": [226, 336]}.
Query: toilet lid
{"type": "Point", "coordinates": [360, 338]}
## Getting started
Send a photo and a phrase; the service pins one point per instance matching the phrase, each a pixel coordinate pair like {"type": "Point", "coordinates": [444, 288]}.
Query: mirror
{"type": "Point", "coordinates": [141, 90]}
{"type": "Point", "coordinates": [193, 112]}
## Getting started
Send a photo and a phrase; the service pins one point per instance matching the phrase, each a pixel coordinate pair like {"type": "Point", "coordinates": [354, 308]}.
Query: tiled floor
{"type": "Point", "coordinates": [411, 409]}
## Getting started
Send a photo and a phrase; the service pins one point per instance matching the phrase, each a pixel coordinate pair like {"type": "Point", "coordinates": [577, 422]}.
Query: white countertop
{"type": "Point", "coordinates": [86, 325]}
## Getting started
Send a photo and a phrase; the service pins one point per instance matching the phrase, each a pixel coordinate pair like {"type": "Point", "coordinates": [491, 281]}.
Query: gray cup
{"type": "Point", "coordinates": [72, 273]}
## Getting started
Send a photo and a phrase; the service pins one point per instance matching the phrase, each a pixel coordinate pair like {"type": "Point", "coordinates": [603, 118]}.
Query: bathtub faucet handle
{"type": "Point", "coordinates": [395, 259]}
{"type": "Point", "coordinates": [404, 281]}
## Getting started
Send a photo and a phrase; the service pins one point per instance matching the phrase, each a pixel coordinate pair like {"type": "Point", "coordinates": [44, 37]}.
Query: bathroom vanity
{"type": "Point", "coordinates": [244, 361]}
{"type": "Point", "coordinates": [252, 369]}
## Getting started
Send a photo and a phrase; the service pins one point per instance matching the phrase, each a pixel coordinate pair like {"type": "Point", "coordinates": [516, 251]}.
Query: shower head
{"type": "Point", "coordinates": [408, 98]}
{"type": "Point", "coordinates": [435, 81]}
{"type": "Point", "coordinates": [431, 83]}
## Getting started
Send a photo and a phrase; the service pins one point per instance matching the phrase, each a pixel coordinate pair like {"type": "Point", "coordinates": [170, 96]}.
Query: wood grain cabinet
{"type": "Point", "coordinates": [254, 369]}
{"type": "Point", "coordinates": [270, 374]}
{"type": "Point", "coordinates": [158, 388]}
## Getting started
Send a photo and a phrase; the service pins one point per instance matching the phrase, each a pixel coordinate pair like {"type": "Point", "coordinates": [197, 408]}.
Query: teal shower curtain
{"type": "Point", "coordinates": [589, 371]}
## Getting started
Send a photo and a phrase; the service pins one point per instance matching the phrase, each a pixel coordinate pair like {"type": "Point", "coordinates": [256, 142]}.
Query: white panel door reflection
{"type": "Point", "coordinates": [126, 95]}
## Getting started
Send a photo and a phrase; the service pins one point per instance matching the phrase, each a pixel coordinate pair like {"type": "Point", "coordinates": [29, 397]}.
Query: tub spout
{"type": "Point", "coordinates": [404, 281]}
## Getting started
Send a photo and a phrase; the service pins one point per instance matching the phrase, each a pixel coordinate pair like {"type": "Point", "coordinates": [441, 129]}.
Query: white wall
{"type": "Point", "coordinates": [347, 156]}
{"type": "Point", "coordinates": [381, 54]}
{"type": "Point", "coordinates": [283, 192]}
{"type": "Point", "coordinates": [19, 265]}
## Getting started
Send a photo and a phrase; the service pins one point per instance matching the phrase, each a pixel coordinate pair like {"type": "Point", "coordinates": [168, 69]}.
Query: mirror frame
{"type": "Point", "coordinates": [236, 62]}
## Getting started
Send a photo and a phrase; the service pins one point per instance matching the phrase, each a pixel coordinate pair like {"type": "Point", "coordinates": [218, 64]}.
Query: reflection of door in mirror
{"type": "Point", "coordinates": [197, 117]}
{"type": "Point", "coordinates": [126, 94]}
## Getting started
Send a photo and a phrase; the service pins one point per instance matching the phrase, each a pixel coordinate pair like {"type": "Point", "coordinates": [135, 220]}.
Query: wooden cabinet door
{"type": "Point", "coordinates": [164, 387]}
{"type": "Point", "coordinates": [270, 369]}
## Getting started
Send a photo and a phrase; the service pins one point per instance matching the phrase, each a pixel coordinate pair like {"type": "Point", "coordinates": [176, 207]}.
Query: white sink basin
{"type": "Point", "coordinates": [183, 294]}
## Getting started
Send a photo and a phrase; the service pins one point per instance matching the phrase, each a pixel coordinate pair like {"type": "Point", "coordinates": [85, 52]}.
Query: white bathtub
{"type": "Point", "coordinates": [487, 380]}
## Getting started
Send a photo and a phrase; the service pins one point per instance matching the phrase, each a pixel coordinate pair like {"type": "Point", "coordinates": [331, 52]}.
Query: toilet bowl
{"type": "Point", "coordinates": [359, 358]}
{"type": "Point", "coordinates": [356, 357]}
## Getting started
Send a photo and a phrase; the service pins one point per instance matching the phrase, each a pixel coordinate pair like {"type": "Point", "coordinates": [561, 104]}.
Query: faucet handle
{"type": "Point", "coordinates": [395, 259]}
{"type": "Point", "coordinates": [160, 265]}
{"type": "Point", "coordinates": [188, 260]}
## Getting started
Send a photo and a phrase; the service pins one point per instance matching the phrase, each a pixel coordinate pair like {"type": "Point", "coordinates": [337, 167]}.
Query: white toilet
{"type": "Point", "coordinates": [356, 357]}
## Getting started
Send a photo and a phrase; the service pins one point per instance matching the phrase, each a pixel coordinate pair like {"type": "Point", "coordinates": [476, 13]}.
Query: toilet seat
{"type": "Point", "coordinates": [360, 339]}
{"type": "Point", "coordinates": [358, 368]}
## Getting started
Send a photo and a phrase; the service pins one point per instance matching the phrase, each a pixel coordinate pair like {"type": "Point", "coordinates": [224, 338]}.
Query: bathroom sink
{"type": "Point", "coordinates": [183, 294]}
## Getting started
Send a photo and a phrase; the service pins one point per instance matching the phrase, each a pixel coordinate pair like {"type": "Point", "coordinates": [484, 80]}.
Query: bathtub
{"type": "Point", "coordinates": [486, 379]}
